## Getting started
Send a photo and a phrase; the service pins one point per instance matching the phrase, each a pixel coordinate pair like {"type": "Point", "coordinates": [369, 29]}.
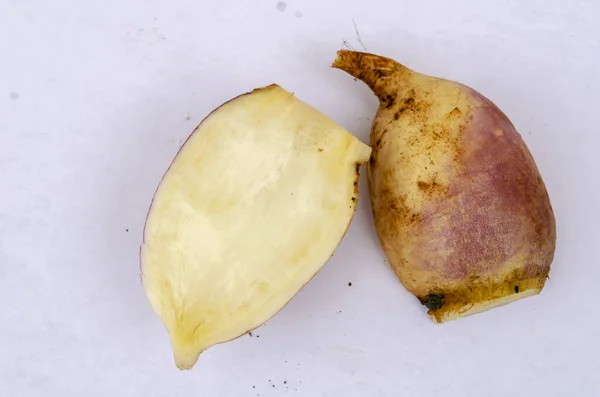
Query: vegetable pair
{"type": "Point", "coordinates": [261, 194]}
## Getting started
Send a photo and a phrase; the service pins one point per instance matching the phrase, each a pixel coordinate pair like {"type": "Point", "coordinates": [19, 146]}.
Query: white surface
{"type": "Point", "coordinates": [95, 99]}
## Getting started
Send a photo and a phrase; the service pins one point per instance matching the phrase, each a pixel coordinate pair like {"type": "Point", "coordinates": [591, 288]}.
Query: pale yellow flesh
{"type": "Point", "coordinates": [481, 306]}
{"type": "Point", "coordinates": [252, 207]}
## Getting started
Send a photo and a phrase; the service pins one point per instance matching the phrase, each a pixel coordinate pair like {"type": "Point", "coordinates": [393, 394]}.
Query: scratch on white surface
{"type": "Point", "coordinates": [345, 349]}
{"type": "Point", "coordinates": [137, 35]}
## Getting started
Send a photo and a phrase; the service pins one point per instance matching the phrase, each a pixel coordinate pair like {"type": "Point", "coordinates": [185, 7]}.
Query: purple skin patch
{"type": "Point", "coordinates": [496, 208]}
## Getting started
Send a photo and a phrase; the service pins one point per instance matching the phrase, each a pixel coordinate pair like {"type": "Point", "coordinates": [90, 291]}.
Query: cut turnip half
{"type": "Point", "coordinates": [252, 207]}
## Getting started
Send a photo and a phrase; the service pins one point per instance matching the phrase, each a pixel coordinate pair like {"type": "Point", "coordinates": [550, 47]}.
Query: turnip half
{"type": "Point", "coordinates": [460, 208]}
{"type": "Point", "coordinates": [252, 207]}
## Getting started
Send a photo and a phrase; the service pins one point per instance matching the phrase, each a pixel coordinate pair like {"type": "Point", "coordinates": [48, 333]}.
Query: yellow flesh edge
{"type": "Point", "coordinates": [252, 207]}
{"type": "Point", "coordinates": [479, 307]}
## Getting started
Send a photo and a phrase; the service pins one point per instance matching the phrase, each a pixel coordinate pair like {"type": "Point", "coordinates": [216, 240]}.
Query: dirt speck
{"type": "Point", "coordinates": [298, 14]}
{"type": "Point", "coordinates": [349, 284]}
{"type": "Point", "coordinates": [433, 301]}
{"type": "Point", "coordinates": [388, 101]}
{"type": "Point", "coordinates": [14, 95]}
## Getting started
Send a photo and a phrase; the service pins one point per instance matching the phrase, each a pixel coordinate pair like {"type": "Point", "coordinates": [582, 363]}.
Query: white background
{"type": "Point", "coordinates": [96, 98]}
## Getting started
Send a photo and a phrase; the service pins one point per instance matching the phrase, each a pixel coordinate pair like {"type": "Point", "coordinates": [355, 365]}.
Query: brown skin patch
{"type": "Point", "coordinates": [356, 182]}
{"type": "Point", "coordinates": [432, 188]}
{"type": "Point", "coordinates": [455, 113]}
{"type": "Point", "coordinates": [376, 145]}
{"type": "Point", "coordinates": [438, 135]}
{"type": "Point", "coordinates": [409, 105]}
{"type": "Point", "coordinates": [418, 109]}
{"type": "Point", "coordinates": [388, 101]}
{"type": "Point", "coordinates": [423, 185]}
{"type": "Point", "coordinates": [400, 215]}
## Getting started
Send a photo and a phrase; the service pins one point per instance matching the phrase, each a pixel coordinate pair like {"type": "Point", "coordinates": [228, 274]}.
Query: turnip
{"type": "Point", "coordinates": [460, 207]}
